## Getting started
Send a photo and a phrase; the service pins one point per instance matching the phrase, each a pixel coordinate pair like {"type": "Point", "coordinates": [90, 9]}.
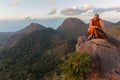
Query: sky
{"type": "Point", "coordinates": [9, 9]}
{"type": "Point", "coordinates": [45, 9]}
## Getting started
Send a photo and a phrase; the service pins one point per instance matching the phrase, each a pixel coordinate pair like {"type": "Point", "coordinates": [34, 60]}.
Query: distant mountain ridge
{"type": "Point", "coordinates": [30, 28]}
{"type": "Point", "coordinates": [115, 30]}
{"type": "Point", "coordinates": [108, 24]}
{"type": "Point", "coordinates": [72, 27]}
{"type": "Point", "coordinates": [20, 34]}
{"type": "Point", "coordinates": [4, 37]}
{"type": "Point", "coordinates": [18, 24]}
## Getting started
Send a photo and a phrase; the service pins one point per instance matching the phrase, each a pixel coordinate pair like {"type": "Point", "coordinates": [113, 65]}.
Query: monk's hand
{"type": "Point", "coordinates": [95, 26]}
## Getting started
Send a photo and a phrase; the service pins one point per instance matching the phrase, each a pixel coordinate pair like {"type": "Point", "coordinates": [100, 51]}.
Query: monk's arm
{"type": "Point", "coordinates": [91, 25]}
{"type": "Point", "coordinates": [102, 25]}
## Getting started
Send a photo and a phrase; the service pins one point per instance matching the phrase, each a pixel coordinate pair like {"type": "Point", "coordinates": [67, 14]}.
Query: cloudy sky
{"type": "Point", "coordinates": [84, 9]}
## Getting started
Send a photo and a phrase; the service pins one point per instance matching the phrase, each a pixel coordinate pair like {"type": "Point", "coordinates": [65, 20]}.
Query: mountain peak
{"type": "Point", "coordinates": [118, 23]}
{"type": "Point", "coordinates": [71, 19]}
{"type": "Point", "coordinates": [72, 23]}
{"type": "Point", "coordinates": [73, 27]}
{"type": "Point", "coordinates": [33, 24]}
{"type": "Point", "coordinates": [32, 27]}
{"type": "Point", "coordinates": [19, 34]}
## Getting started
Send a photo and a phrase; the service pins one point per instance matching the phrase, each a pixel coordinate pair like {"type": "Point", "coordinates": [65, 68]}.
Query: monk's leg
{"type": "Point", "coordinates": [95, 35]}
{"type": "Point", "coordinates": [90, 33]}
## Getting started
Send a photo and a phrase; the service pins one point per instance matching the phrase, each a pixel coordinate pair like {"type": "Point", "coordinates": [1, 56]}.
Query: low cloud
{"type": "Point", "coordinates": [75, 10]}
{"type": "Point", "coordinates": [101, 10]}
{"type": "Point", "coordinates": [51, 1]}
{"type": "Point", "coordinates": [87, 7]}
{"type": "Point", "coordinates": [14, 3]}
{"type": "Point", "coordinates": [117, 8]}
{"type": "Point", "coordinates": [53, 11]}
{"type": "Point", "coordinates": [70, 11]}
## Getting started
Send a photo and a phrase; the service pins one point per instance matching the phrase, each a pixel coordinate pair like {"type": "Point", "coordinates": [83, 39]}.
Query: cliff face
{"type": "Point", "coordinates": [105, 57]}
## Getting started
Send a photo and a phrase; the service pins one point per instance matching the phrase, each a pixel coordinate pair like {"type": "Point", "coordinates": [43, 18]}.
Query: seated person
{"type": "Point", "coordinates": [96, 28]}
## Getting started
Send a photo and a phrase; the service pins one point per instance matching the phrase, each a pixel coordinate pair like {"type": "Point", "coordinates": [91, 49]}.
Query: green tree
{"type": "Point", "coordinates": [76, 66]}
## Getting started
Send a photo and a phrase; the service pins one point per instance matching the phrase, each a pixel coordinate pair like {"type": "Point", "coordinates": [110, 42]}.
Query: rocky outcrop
{"type": "Point", "coordinates": [105, 57]}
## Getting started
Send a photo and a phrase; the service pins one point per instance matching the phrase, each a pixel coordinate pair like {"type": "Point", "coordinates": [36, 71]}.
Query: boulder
{"type": "Point", "coordinates": [105, 57]}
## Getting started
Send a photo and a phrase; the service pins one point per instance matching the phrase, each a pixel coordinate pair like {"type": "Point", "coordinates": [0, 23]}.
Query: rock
{"type": "Point", "coordinates": [105, 57]}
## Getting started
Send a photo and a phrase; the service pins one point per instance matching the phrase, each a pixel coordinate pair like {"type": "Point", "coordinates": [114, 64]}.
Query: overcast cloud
{"type": "Point", "coordinates": [52, 11]}
{"type": "Point", "coordinates": [14, 3]}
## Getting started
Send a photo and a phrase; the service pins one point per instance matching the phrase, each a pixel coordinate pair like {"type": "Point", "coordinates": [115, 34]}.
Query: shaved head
{"type": "Point", "coordinates": [96, 17]}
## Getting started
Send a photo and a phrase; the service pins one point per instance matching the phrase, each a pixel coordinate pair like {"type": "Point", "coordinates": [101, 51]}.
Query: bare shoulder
{"type": "Point", "coordinates": [100, 20]}
{"type": "Point", "coordinates": [91, 20]}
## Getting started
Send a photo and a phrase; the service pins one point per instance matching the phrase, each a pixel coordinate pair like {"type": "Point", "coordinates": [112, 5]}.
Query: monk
{"type": "Point", "coordinates": [96, 28]}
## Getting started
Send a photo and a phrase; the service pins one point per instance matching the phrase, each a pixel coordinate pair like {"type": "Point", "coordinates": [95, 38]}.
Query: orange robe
{"type": "Point", "coordinates": [96, 32]}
